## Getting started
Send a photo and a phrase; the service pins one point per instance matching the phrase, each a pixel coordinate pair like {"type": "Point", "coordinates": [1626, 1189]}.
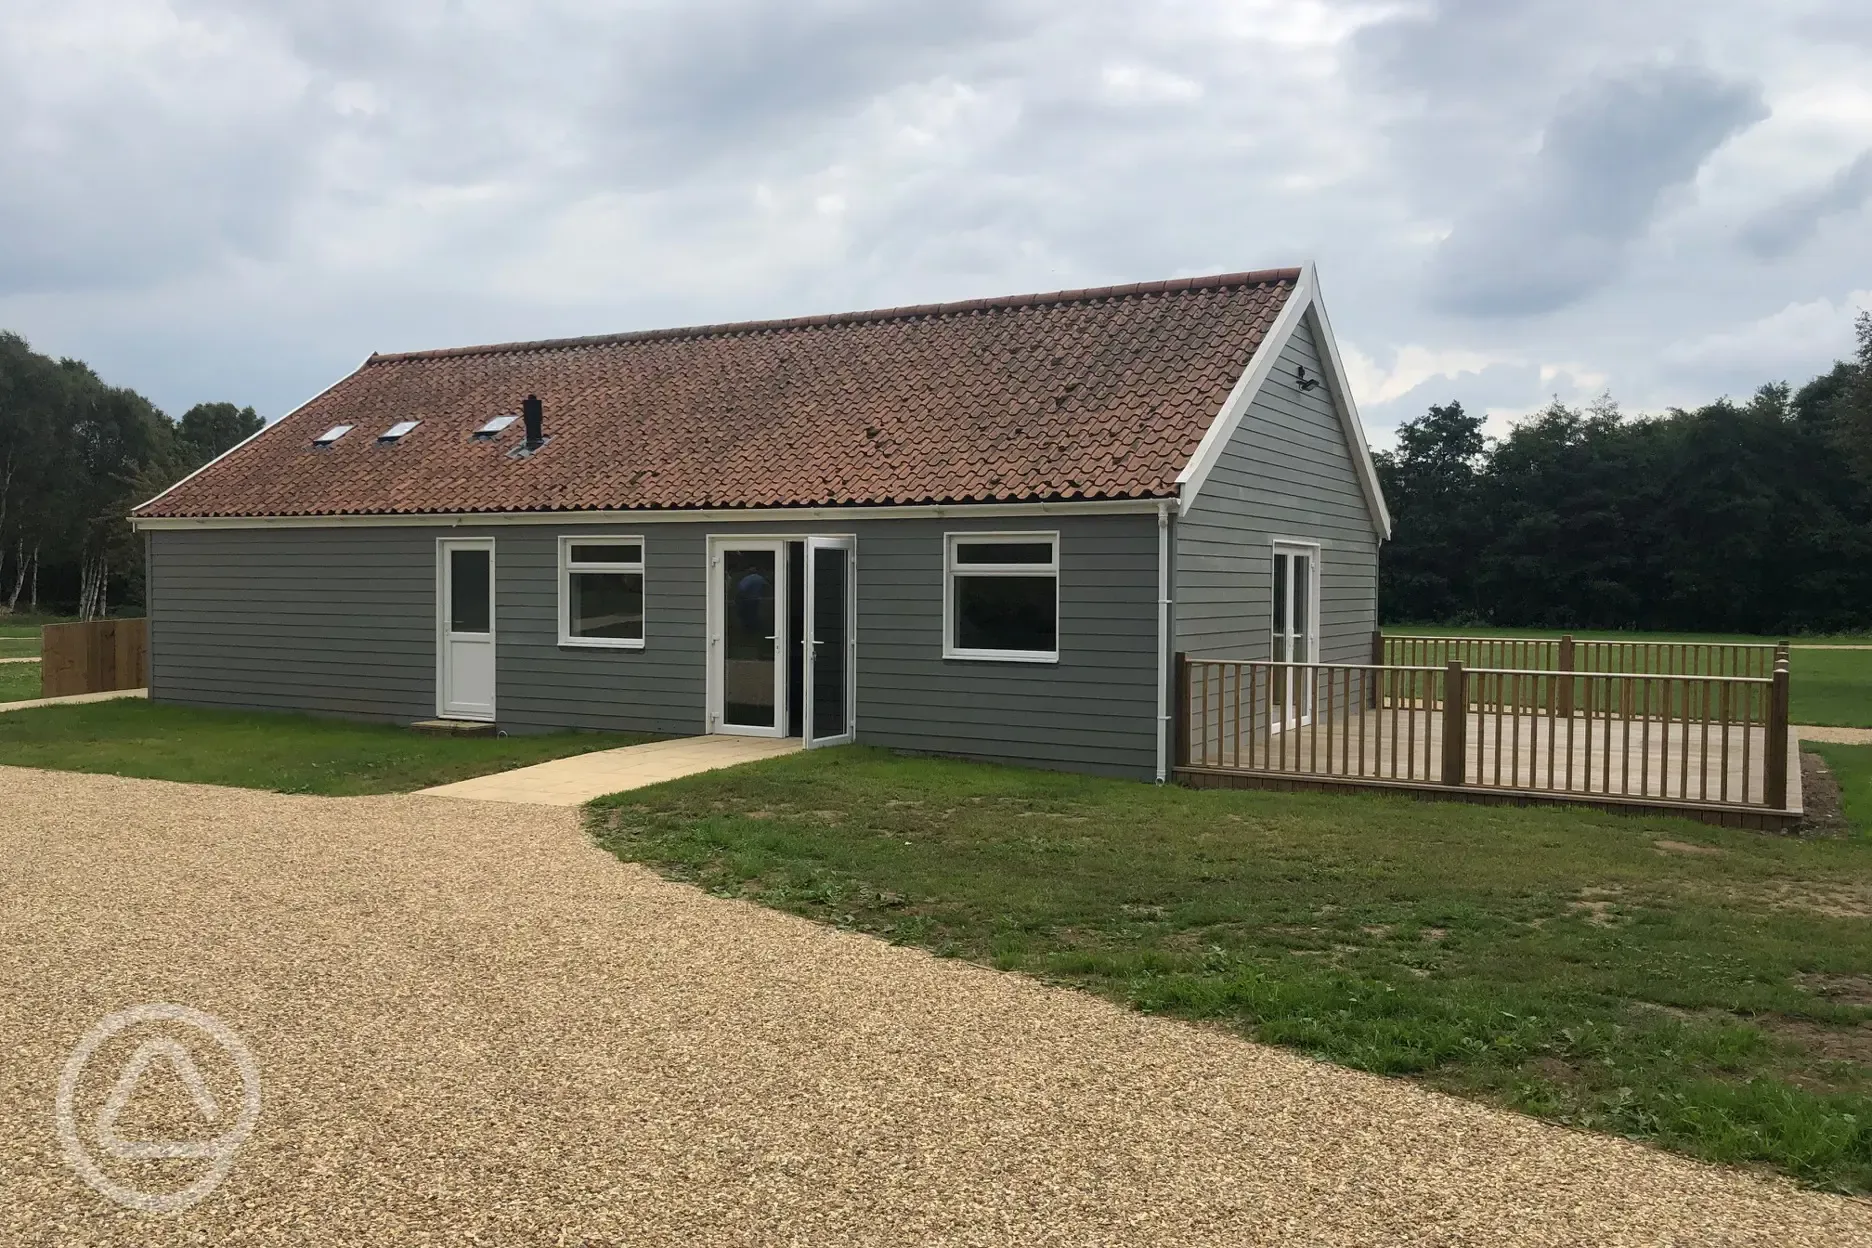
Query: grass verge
{"type": "Point", "coordinates": [1705, 989]}
{"type": "Point", "coordinates": [1851, 766]}
{"type": "Point", "coordinates": [1832, 687]}
{"type": "Point", "coordinates": [253, 750]}
{"type": "Point", "coordinates": [19, 681]}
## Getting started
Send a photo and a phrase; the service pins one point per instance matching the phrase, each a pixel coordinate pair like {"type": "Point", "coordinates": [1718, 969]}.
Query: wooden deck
{"type": "Point", "coordinates": [1646, 764]}
{"type": "Point", "coordinates": [1712, 747]}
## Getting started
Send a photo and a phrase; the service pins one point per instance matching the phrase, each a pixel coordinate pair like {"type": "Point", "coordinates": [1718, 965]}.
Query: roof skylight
{"type": "Point", "coordinates": [397, 430]}
{"type": "Point", "coordinates": [331, 435]}
{"type": "Point", "coordinates": [494, 426]}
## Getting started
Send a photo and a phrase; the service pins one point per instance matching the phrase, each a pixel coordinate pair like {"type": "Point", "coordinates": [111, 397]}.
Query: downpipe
{"type": "Point", "coordinates": [1163, 641]}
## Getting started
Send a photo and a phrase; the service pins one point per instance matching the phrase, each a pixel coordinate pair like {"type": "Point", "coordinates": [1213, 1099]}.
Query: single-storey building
{"type": "Point", "coordinates": [979, 529]}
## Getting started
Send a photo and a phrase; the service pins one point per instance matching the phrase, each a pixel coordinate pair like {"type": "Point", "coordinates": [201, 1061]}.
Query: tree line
{"type": "Point", "coordinates": [1749, 517]}
{"type": "Point", "coordinates": [76, 455]}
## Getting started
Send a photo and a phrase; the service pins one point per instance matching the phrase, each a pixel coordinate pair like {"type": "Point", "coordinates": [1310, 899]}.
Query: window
{"type": "Point", "coordinates": [601, 592]}
{"type": "Point", "coordinates": [494, 426]}
{"type": "Point", "coordinates": [1001, 593]}
{"type": "Point", "coordinates": [397, 430]}
{"type": "Point", "coordinates": [331, 435]}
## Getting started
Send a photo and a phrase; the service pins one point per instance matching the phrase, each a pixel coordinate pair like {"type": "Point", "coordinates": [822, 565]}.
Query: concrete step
{"type": "Point", "coordinates": [454, 727]}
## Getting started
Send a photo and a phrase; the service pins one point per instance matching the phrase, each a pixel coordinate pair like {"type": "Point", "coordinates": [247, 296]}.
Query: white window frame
{"type": "Point", "coordinates": [951, 571]}
{"type": "Point", "coordinates": [567, 568]}
{"type": "Point", "coordinates": [1300, 698]}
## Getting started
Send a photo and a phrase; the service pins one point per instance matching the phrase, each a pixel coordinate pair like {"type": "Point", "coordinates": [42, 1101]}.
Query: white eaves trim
{"type": "Point", "coordinates": [767, 515]}
{"type": "Point", "coordinates": [1303, 304]}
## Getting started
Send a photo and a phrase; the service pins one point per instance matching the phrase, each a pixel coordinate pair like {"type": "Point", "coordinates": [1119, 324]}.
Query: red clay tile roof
{"type": "Point", "coordinates": [1080, 394]}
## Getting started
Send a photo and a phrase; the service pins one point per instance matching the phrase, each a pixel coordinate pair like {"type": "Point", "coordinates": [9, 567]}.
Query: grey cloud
{"type": "Point", "coordinates": [91, 194]}
{"type": "Point", "coordinates": [1558, 228]}
{"type": "Point", "coordinates": [1787, 225]}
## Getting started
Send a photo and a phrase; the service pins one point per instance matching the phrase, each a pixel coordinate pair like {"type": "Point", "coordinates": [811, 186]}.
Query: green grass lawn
{"type": "Point", "coordinates": [1706, 989]}
{"type": "Point", "coordinates": [1591, 634]}
{"type": "Point", "coordinates": [251, 750]}
{"type": "Point", "coordinates": [18, 681]}
{"type": "Point", "coordinates": [1851, 765]}
{"type": "Point", "coordinates": [19, 633]}
{"type": "Point", "coordinates": [1832, 687]}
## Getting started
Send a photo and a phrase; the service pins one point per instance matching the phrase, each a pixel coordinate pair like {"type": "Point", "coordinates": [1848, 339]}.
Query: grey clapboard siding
{"type": "Point", "coordinates": [335, 621]}
{"type": "Point", "coordinates": [342, 621]}
{"type": "Point", "coordinates": [1286, 473]}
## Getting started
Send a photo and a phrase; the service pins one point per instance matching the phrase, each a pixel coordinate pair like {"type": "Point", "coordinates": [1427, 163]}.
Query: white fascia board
{"type": "Point", "coordinates": [1303, 304]}
{"type": "Point", "coordinates": [1348, 415]}
{"type": "Point", "coordinates": [264, 427]}
{"type": "Point", "coordinates": [751, 515]}
{"type": "Point", "coordinates": [1241, 398]}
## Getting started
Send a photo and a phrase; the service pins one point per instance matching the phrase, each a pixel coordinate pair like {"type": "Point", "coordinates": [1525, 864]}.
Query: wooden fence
{"type": "Point", "coordinates": [1569, 654]}
{"type": "Point", "coordinates": [93, 657]}
{"type": "Point", "coordinates": [1651, 739]}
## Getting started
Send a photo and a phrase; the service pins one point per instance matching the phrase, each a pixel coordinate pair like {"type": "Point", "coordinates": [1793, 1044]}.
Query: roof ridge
{"type": "Point", "coordinates": [1177, 285]}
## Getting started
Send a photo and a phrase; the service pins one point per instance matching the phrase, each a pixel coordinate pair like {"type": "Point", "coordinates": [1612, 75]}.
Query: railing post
{"type": "Point", "coordinates": [1378, 660]}
{"type": "Point", "coordinates": [1182, 704]}
{"type": "Point", "coordinates": [1776, 748]}
{"type": "Point", "coordinates": [1566, 681]}
{"type": "Point", "coordinates": [1455, 724]}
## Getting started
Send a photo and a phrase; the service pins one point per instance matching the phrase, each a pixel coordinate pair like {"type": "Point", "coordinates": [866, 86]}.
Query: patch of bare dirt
{"type": "Point", "coordinates": [1685, 847]}
{"type": "Point", "coordinates": [1595, 905]}
{"type": "Point", "coordinates": [1838, 901]}
{"type": "Point", "coordinates": [1828, 1043]}
{"type": "Point", "coordinates": [1822, 812]}
{"type": "Point", "coordinates": [1843, 989]}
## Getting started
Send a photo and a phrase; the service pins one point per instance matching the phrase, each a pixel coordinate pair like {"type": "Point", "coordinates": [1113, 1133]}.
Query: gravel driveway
{"type": "Point", "coordinates": [473, 1027]}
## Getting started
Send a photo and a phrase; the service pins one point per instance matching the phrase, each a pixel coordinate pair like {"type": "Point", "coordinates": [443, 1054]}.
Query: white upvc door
{"type": "Point", "coordinates": [1296, 630]}
{"type": "Point", "coordinates": [747, 608]}
{"type": "Point", "coordinates": [830, 690]}
{"type": "Point", "coordinates": [465, 628]}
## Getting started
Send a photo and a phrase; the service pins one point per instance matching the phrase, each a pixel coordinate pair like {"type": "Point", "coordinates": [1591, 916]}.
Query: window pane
{"type": "Point", "coordinates": [1006, 613]}
{"type": "Point", "coordinates": [632, 553]}
{"type": "Point", "coordinates": [748, 637]}
{"type": "Point", "coordinates": [468, 591]}
{"type": "Point", "coordinates": [1004, 552]}
{"type": "Point", "coordinates": [607, 604]}
{"type": "Point", "coordinates": [1282, 625]}
{"type": "Point", "coordinates": [1302, 599]}
{"type": "Point", "coordinates": [829, 603]}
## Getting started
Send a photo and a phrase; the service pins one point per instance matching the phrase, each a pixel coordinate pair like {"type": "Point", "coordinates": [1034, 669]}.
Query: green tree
{"type": "Point", "coordinates": [1429, 484]}
{"type": "Point", "coordinates": [208, 430]}
{"type": "Point", "coordinates": [1853, 416]}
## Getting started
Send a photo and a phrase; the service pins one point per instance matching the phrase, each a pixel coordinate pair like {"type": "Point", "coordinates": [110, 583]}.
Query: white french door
{"type": "Point", "coordinates": [465, 628]}
{"type": "Point", "coordinates": [1295, 631]}
{"type": "Point", "coordinates": [747, 637]}
{"type": "Point", "coordinates": [831, 641]}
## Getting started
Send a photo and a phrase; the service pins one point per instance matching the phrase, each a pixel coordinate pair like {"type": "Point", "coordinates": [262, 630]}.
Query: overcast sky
{"type": "Point", "coordinates": [1507, 200]}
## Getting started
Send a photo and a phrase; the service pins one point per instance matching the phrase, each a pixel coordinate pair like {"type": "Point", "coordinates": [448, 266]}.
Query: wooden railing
{"type": "Point", "coordinates": [1567, 653]}
{"type": "Point", "coordinates": [94, 656]}
{"type": "Point", "coordinates": [1665, 738]}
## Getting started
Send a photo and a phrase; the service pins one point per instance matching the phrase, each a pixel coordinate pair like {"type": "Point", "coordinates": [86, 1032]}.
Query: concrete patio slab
{"type": "Point", "coordinates": [575, 780]}
{"type": "Point", "coordinates": [73, 699]}
{"type": "Point", "coordinates": [1835, 736]}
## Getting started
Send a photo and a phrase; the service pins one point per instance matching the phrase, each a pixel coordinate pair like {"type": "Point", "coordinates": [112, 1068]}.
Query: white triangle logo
{"type": "Point", "coordinates": [178, 1059]}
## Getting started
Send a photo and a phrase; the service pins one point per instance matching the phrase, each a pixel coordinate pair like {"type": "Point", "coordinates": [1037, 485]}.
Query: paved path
{"type": "Point", "coordinates": [73, 699]}
{"type": "Point", "coordinates": [473, 1026]}
{"type": "Point", "coordinates": [1840, 736]}
{"type": "Point", "coordinates": [576, 780]}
